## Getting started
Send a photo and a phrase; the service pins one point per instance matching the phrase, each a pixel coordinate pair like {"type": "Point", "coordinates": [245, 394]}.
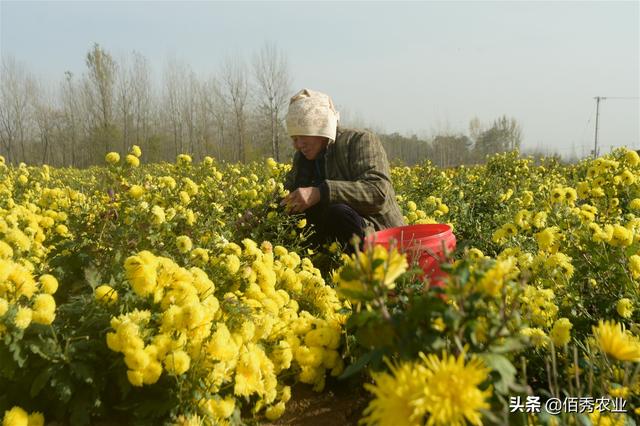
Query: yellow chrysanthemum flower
{"type": "Point", "coordinates": [624, 307]}
{"type": "Point", "coordinates": [6, 252]}
{"type": "Point", "coordinates": [135, 150]}
{"type": "Point", "coordinates": [136, 191]}
{"type": "Point", "coordinates": [23, 317]}
{"type": "Point", "coordinates": [570, 196]}
{"type": "Point", "coordinates": [185, 199]}
{"type": "Point", "coordinates": [634, 265]}
{"type": "Point", "coordinates": [598, 418]}
{"type": "Point", "coordinates": [561, 332]}
{"type": "Point", "coordinates": [4, 306]}
{"type": "Point", "coordinates": [141, 272]}
{"type": "Point", "coordinates": [536, 335]}
{"type": "Point", "coordinates": [613, 340]}
{"type": "Point", "coordinates": [493, 280]}
{"type": "Point", "coordinates": [112, 158]}
{"type": "Point", "coordinates": [547, 238]}
{"type": "Point", "coordinates": [232, 263]}
{"type": "Point", "coordinates": [451, 393]}
{"type": "Point", "coordinates": [135, 377]}
{"type": "Point", "coordinates": [274, 412]}
{"type": "Point", "coordinates": [36, 419]}
{"type": "Point", "coordinates": [184, 159]}
{"type": "Point", "coordinates": [184, 244]}
{"type": "Point", "coordinates": [16, 416]}
{"type": "Point", "coordinates": [200, 255]}
{"type": "Point", "coordinates": [48, 283]}
{"type": "Point", "coordinates": [632, 157]}
{"type": "Point", "coordinates": [540, 220]}
{"type": "Point", "coordinates": [395, 396]}
{"type": "Point", "coordinates": [151, 374]}
{"type": "Point", "coordinates": [106, 294]}
{"type": "Point", "coordinates": [62, 230]}
{"type": "Point", "coordinates": [177, 362]}
{"type": "Point", "coordinates": [132, 160]}
{"type": "Point", "coordinates": [44, 309]}
{"type": "Point", "coordinates": [621, 236]}
{"type": "Point", "coordinates": [557, 195]}
{"type": "Point", "coordinates": [222, 408]}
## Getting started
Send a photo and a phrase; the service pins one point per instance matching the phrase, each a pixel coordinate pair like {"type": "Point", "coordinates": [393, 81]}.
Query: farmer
{"type": "Point", "coordinates": [340, 177]}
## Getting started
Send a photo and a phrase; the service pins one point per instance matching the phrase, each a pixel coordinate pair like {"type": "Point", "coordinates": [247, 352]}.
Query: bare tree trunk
{"type": "Point", "coordinates": [271, 71]}
{"type": "Point", "coordinates": [236, 85]}
{"type": "Point", "coordinates": [101, 80]}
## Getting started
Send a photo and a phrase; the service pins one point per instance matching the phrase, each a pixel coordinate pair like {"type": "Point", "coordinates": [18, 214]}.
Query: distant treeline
{"type": "Point", "coordinates": [235, 115]}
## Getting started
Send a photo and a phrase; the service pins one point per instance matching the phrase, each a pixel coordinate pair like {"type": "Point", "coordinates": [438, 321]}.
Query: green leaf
{"type": "Point", "coordinates": [464, 276]}
{"type": "Point", "coordinates": [18, 355]}
{"type": "Point", "coordinates": [362, 362]}
{"type": "Point", "coordinates": [376, 263]}
{"type": "Point", "coordinates": [82, 371]}
{"type": "Point", "coordinates": [349, 274]}
{"type": "Point", "coordinates": [8, 366]}
{"type": "Point", "coordinates": [509, 345]}
{"type": "Point", "coordinates": [375, 334]}
{"type": "Point", "coordinates": [504, 368]}
{"type": "Point", "coordinates": [92, 275]}
{"type": "Point", "coordinates": [361, 318]}
{"type": "Point", "coordinates": [584, 420]}
{"type": "Point", "coordinates": [40, 381]}
{"type": "Point", "coordinates": [452, 318]}
{"type": "Point", "coordinates": [80, 409]}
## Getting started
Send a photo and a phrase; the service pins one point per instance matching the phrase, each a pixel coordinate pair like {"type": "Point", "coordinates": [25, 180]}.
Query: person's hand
{"type": "Point", "coordinates": [301, 199]}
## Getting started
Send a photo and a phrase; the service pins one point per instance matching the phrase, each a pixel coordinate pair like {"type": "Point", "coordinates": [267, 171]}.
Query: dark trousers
{"type": "Point", "coordinates": [336, 222]}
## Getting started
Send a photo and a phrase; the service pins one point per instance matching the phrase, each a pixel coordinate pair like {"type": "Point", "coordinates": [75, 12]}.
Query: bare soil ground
{"type": "Point", "coordinates": [340, 404]}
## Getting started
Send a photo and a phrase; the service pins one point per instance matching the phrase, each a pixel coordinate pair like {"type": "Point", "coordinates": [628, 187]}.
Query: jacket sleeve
{"type": "Point", "coordinates": [370, 186]}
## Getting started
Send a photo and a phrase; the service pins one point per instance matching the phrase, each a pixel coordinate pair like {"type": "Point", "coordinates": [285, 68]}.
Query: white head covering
{"type": "Point", "coordinates": [312, 113]}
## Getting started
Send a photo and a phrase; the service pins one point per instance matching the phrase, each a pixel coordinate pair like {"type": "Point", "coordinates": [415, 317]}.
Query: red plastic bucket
{"type": "Point", "coordinates": [424, 244]}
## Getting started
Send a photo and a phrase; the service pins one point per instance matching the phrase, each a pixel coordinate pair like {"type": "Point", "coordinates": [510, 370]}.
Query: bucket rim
{"type": "Point", "coordinates": [445, 231]}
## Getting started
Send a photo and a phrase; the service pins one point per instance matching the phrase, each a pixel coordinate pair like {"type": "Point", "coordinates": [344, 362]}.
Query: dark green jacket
{"type": "Point", "coordinates": [356, 173]}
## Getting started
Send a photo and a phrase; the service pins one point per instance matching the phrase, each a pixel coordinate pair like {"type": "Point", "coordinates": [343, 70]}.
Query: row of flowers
{"type": "Point", "coordinates": [148, 290]}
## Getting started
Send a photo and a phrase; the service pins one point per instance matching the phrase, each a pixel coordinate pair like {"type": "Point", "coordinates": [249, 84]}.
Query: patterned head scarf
{"type": "Point", "coordinates": [312, 113]}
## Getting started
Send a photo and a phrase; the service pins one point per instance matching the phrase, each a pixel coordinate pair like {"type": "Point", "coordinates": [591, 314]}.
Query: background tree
{"type": "Point", "coordinates": [236, 90]}
{"type": "Point", "coordinates": [17, 88]}
{"type": "Point", "coordinates": [188, 111]}
{"type": "Point", "coordinates": [233, 115]}
{"type": "Point", "coordinates": [141, 99]}
{"type": "Point", "coordinates": [450, 150]}
{"type": "Point", "coordinates": [99, 89]}
{"type": "Point", "coordinates": [69, 125]}
{"type": "Point", "coordinates": [174, 77]}
{"type": "Point", "coordinates": [504, 135]}
{"type": "Point", "coordinates": [218, 109]}
{"type": "Point", "coordinates": [124, 102]}
{"type": "Point", "coordinates": [45, 116]}
{"type": "Point", "coordinates": [271, 72]}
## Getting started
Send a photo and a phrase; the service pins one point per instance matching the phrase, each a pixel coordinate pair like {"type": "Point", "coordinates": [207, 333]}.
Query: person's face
{"type": "Point", "coordinates": [309, 146]}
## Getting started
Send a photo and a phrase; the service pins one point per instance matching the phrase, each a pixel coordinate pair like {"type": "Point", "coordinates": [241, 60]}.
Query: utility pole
{"type": "Point", "coordinates": [598, 99]}
{"type": "Point", "coordinates": [595, 145]}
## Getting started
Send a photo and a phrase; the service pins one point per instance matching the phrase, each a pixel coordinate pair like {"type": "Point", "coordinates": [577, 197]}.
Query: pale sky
{"type": "Point", "coordinates": [418, 67]}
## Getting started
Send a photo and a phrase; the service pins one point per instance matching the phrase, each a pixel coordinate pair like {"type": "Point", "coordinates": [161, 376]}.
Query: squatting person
{"type": "Point", "coordinates": [340, 177]}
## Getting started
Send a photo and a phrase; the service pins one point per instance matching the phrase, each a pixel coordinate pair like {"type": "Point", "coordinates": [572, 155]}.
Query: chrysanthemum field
{"type": "Point", "coordinates": [181, 293]}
